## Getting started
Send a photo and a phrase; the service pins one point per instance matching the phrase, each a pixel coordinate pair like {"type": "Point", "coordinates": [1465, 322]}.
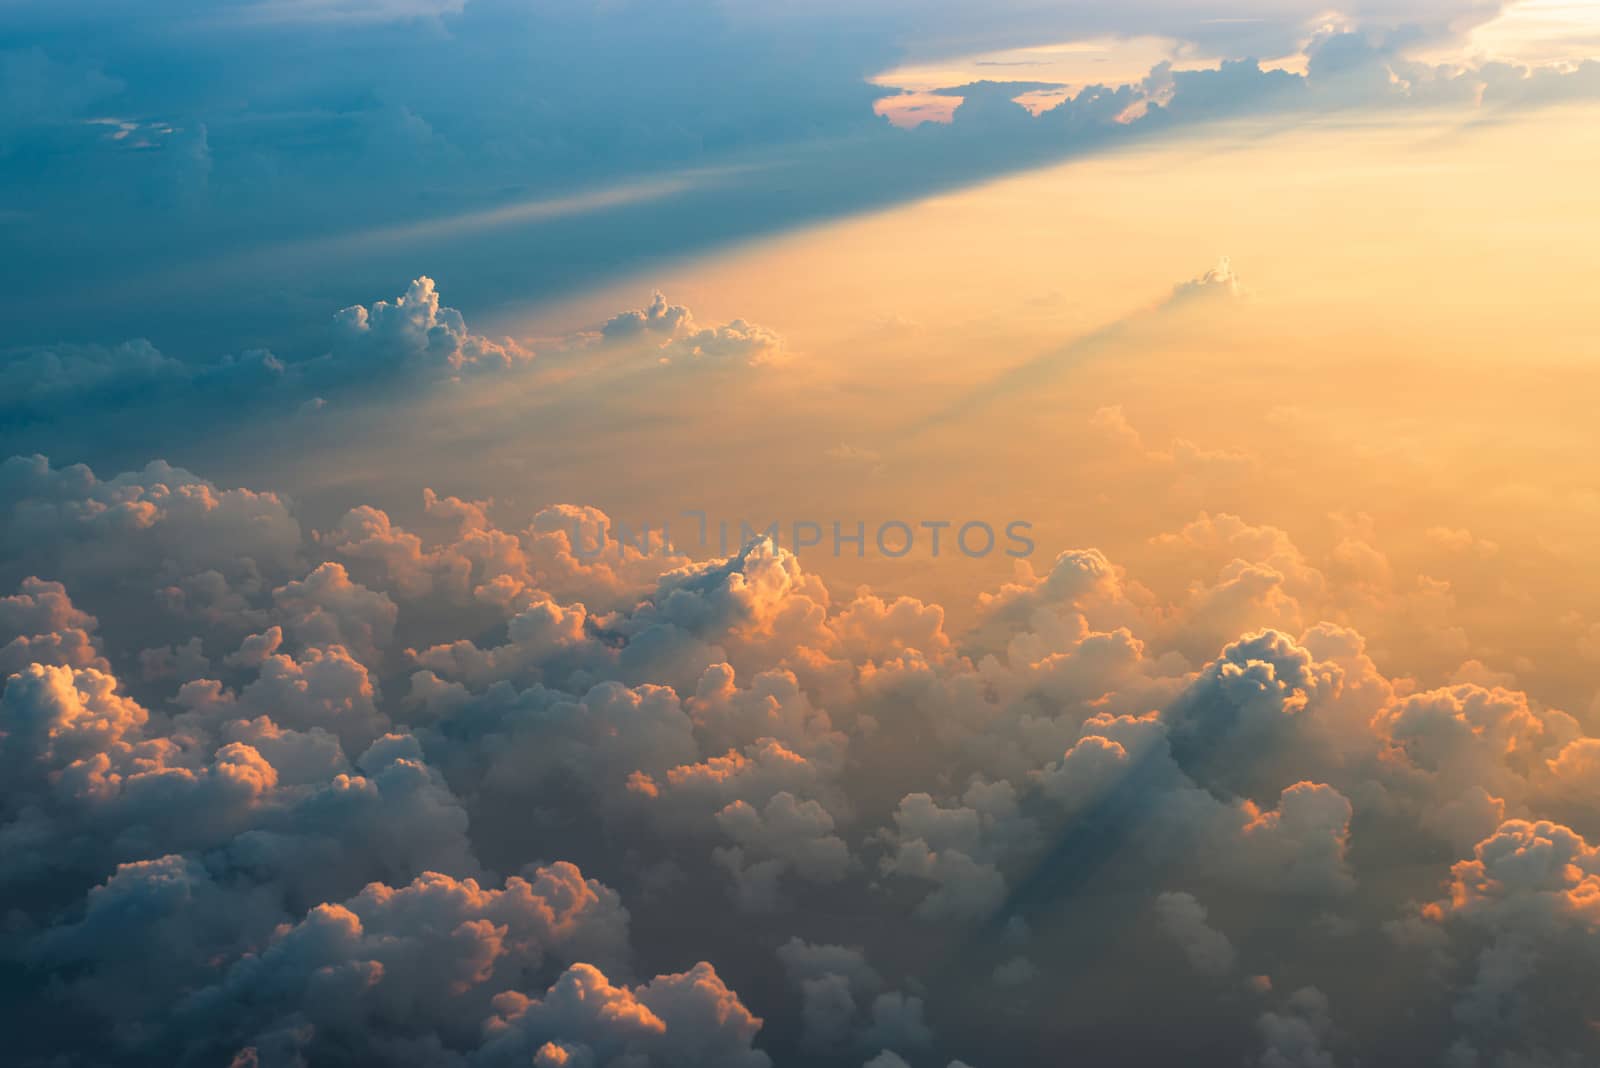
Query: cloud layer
{"type": "Point", "coordinates": [471, 796]}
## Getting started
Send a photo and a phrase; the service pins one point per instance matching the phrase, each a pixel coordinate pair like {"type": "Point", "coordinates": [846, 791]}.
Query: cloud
{"type": "Point", "coordinates": [734, 342]}
{"type": "Point", "coordinates": [283, 832]}
{"type": "Point", "coordinates": [684, 1019]}
{"type": "Point", "coordinates": [1294, 1037]}
{"type": "Point", "coordinates": [414, 958]}
{"type": "Point", "coordinates": [834, 982]}
{"type": "Point", "coordinates": [39, 625]}
{"type": "Point", "coordinates": [325, 608]}
{"type": "Point", "coordinates": [787, 834]}
{"type": "Point", "coordinates": [144, 401]}
{"type": "Point", "coordinates": [32, 379]}
{"type": "Point", "coordinates": [1184, 918]}
{"type": "Point", "coordinates": [1520, 915]}
{"type": "Point", "coordinates": [680, 340]}
{"type": "Point", "coordinates": [658, 317]}
{"type": "Point", "coordinates": [955, 848]}
{"type": "Point", "coordinates": [161, 515]}
{"type": "Point", "coordinates": [417, 328]}
{"type": "Point", "coordinates": [97, 781]}
{"type": "Point", "coordinates": [1218, 281]}
{"type": "Point", "coordinates": [886, 1059]}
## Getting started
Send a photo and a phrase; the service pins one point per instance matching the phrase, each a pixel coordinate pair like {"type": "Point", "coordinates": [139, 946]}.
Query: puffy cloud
{"type": "Point", "coordinates": [658, 317]}
{"type": "Point", "coordinates": [828, 1011]}
{"type": "Point", "coordinates": [957, 848]}
{"type": "Point", "coordinates": [786, 834]}
{"type": "Point", "coordinates": [417, 330]}
{"type": "Point", "coordinates": [774, 712]}
{"type": "Point", "coordinates": [39, 625]}
{"type": "Point", "coordinates": [732, 342]}
{"type": "Point", "coordinates": [749, 761]}
{"type": "Point", "coordinates": [683, 341]}
{"type": "Point", "coordinates": [1300, 846]}
{"type": "Point", "coordinates": [834, 981]}
{"type": "Point", "coordinates": [140, 521]}
{"type": "Point", "coordinates": [419, 963]}
{"type": "Point", "coordinates": [325, 608]}
{"type": "Point", "coordinates": [1104, 755]}
{"type": "Point", "coordinates": [897, 1021]}
{"type": "Point", "coordinates": [841, 1002]}
{"type": "Point", "coordinates": [566, 553]}
{"type": "Point", "coordinates": [1250, 698]}
{"type": "Point", "coordinates": [540, 640]}
{"type": "Point", "coordinates": [685, 1019]}
{"type": "Point", "coordinates": [763, 806]}
{"type": "Point", "coordinates": [1466, 756]}
{"type": "Point", "coordinates": [1294, 1037]}
{"type": "Point", "coordinates": [1519, 924]}
{"type": "Point", "coordinates": [255, 649]}
{"type": "Point", "coordinates": [323, 687]}
{"type": "Point", "coordinates": [58, 717]}
{"type": "Point", "coordinates": [151, 930]}
{"type": "Point", "coordinates": [1207, 948]}
{"type": "Point", "coordinates": [93, 781]}
{"type": "Point", "coordinates": [1082, 579]}
{"type": "Point", "coordinates": [522, 744]}
{"type": "Point", "coordinates": [143, 401]}
{"type": "Point", "coordinates": [756, 610]}
{"type": "Point", "coordinates": [886, 1059]}
{"type": "Point", "coordinates": [803, 960]}
{"type": "Point", "coordinates": [39, 377]}
{"type": "Point", "coordinates": [1218, 281]}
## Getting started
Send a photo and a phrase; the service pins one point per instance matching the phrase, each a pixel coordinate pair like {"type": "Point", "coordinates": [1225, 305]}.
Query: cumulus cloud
{"type": "Point", "coordinates": [1517, 925]}
{"type": "Point", "coordinates": [189, 519]}
{"type": "Point", "coordinates": [1294, 1037]}
{"type": "Point", "coordinates": [342, 799]}
{"type": "Point", "coordinates": [144, 401]}
{"type": "Point", "coordinates": [842, 1005]}
{"type": "Point", "coordinates": [97, 781]}
{"type": "Point", "coordinates": [785, 834]}
{"type": "Point", "coordinates": [733, 342]}
{"type": "Point", "coordinates": [39, 625]}
{"type": "Point", "coordinates": [1207, 948]}
{"type": "Point", "coordinates": [689, 1018]}
{"type": "Point", "coordinates": [960, 848]}
{"type": "Point", "coordinates": [679, 340]}
{"type": "Point", "coordinates": [34, 378]}
{"type": "Point", "coordinates": [417, 329]}
{"type": "Point", "coordinates": [658, 317]}
{"type": "Point", "coordinates": [1218, 281]}
{"type": "Point", "coordinates": [434, 956]}
{"type": "Point", "coordinates": [325, 608]}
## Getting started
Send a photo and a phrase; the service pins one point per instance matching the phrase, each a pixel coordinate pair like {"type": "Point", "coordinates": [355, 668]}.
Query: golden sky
{"type": "Point", "coordinates": [1248, 715]}
{"type": "Point", "coordinates": [1408, 353]}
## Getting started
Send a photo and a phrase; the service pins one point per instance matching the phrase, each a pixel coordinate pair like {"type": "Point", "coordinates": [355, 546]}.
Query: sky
{"type": "Point", "coordinates": [899, 534]}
